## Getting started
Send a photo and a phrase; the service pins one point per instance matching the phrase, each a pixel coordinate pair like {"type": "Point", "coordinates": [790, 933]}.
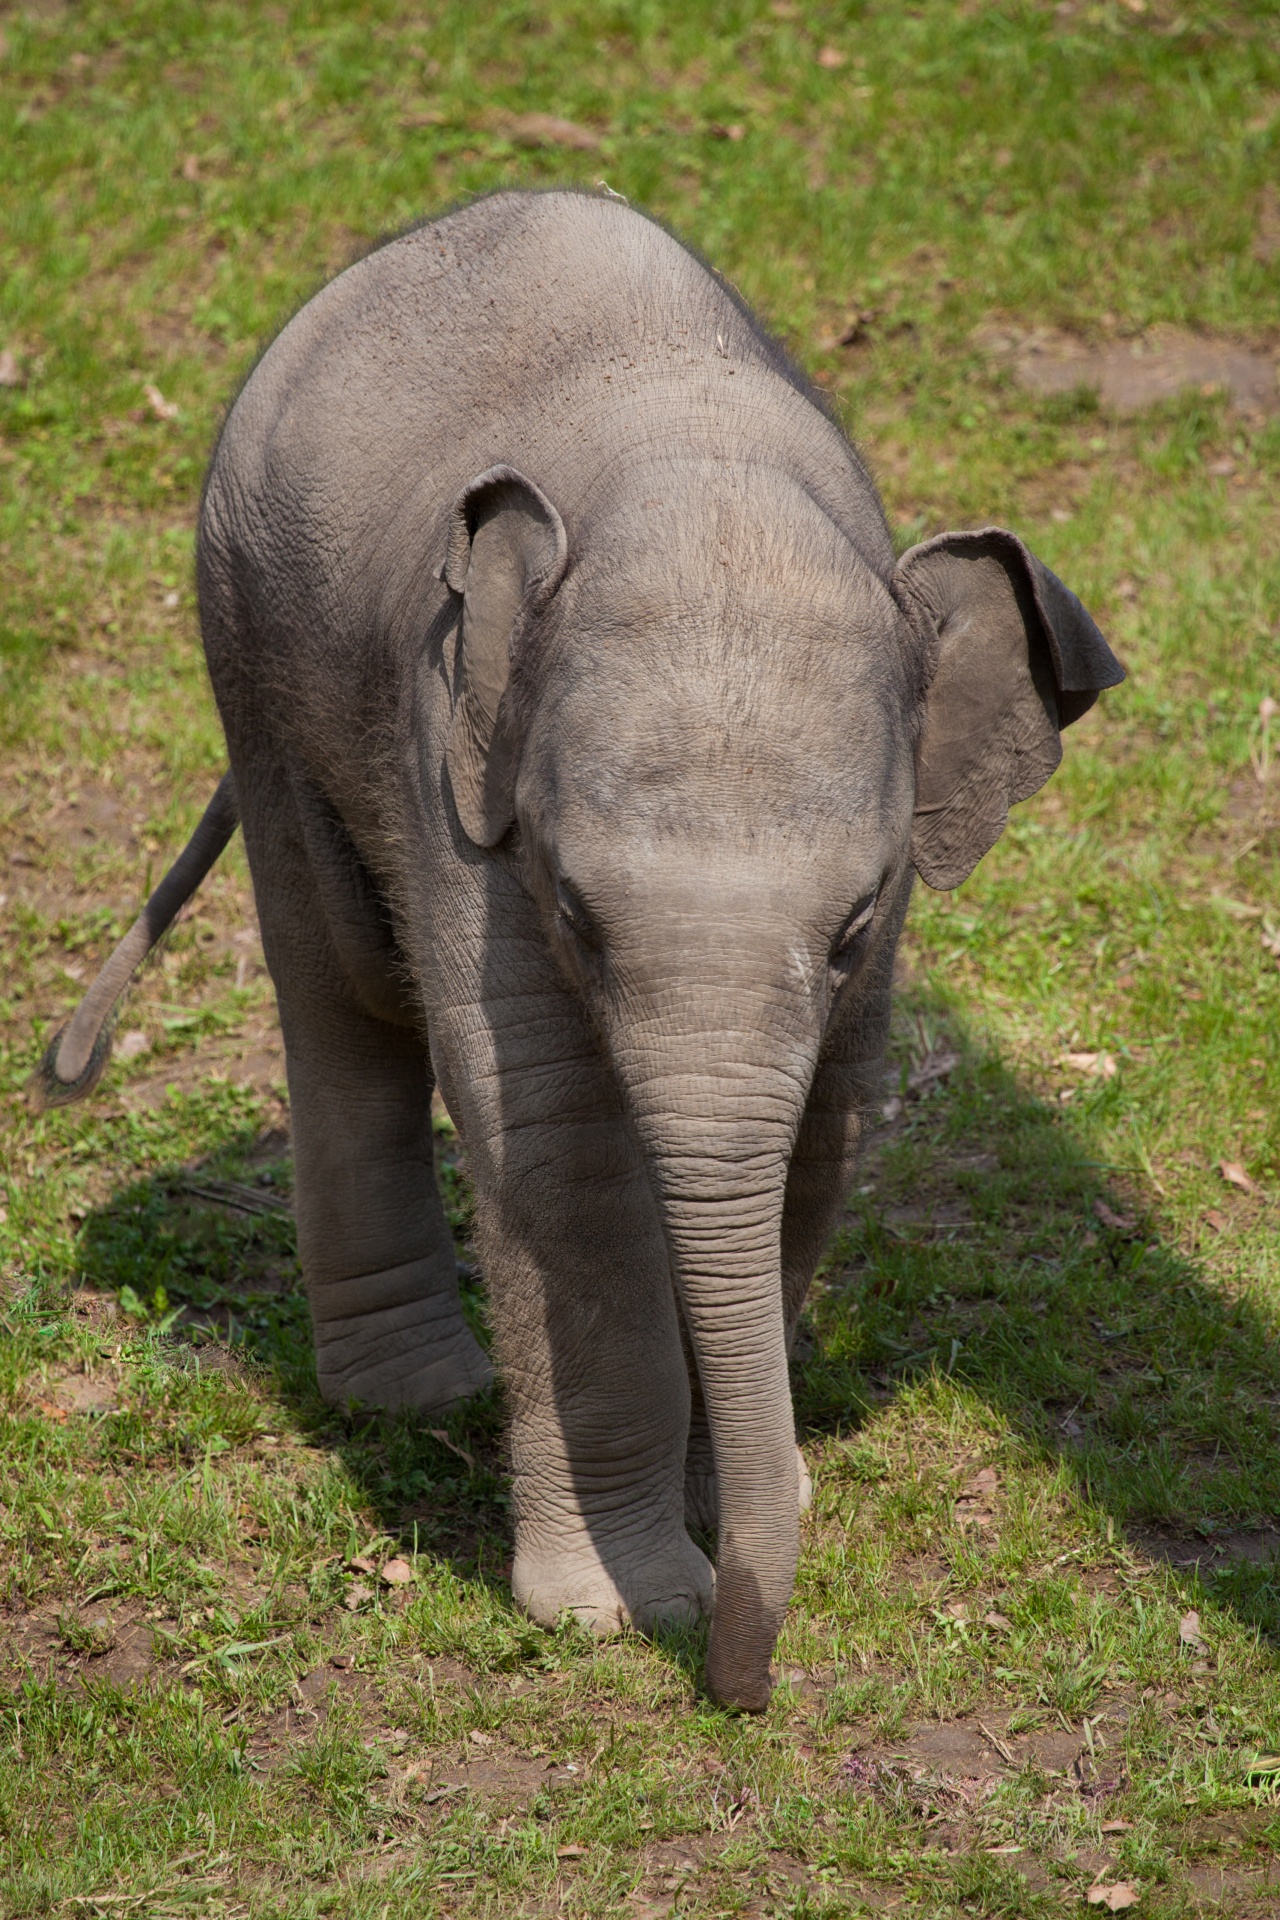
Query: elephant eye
{"type": "Point", "coordinates": [848, 943]}
{"type": "Point", "coordinates": [574, 915]}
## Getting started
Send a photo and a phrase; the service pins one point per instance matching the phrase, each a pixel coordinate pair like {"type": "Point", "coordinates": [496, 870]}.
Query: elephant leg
{"type": "Point", "coordinates": [377, 1254]}
{"type": "Point", "coordinates": [582, 1305]}
{"type": "Point", "coordinates": [597, 1389]}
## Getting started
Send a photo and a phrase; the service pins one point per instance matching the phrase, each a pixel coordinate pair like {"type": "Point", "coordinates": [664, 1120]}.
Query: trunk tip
{"type": "Point", "coordinates": [744, 1632]}
{"type": "Point", "coordinates": [741, 1692]}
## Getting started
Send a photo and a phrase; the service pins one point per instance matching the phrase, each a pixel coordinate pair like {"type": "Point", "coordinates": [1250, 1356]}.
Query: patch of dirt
{"type": "Point", "coordinates": [975, 1162]}
{"type": "Point", "coordinates": [499, 1776]}
{"type": "Point", "coordinates": [31, 1639]}
{"type": "Point", "coordinates": [99, 1309]}
{"type": "Point", "coordinates": [954, 1749]}
{"type": "Point", "coordinates": [807, 1689]}
{"type": "Point", "coordinates": [965, 1756]}
{"type": "Point", "coordinates": [940, 1219]}
{"type": "Point", "coordinates": [129, 1661]}
{"type": "Point", "coordinates": [305, 1713]}
{"type": "Point", "coordinates": [316, 1693]}
{"type": "Point", "coordinates": [62, 1392]}
{"type": "Point", "coordinates": [447, 1673]}
{"type": "Point", "coordinates": [1252, 1546]}
{"type": "Point", "coordinates": [116, 1644]}
{"type": "Point", "coordinates": [1129, 375]}
{"type": "Point", "coordinates": [671, 1866]}
{"type": "Point", "coordinates": [213, 1356]}
{"type": "Point", "coordinates": [1054, 1749]}
{"type": "Point", "coordinates": [1249, 1893]}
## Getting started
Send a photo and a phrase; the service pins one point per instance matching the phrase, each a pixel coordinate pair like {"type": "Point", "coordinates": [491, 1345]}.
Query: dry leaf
{"type": "Point", "coordinates": [1189, 1633]}
{"type": "Point", "coordinates": [1115, 1898]}
{"type": "Point", "coordinates": [357, 1596]}
{"type": "Point", "coordinates": [50, 1411]}
{"type": "Point", "coordinates": [998, 1621]}
{"type": "Point", "coordinates": [163, 409]}
{"type": "Point", "coordinates": [1232, 1171]}
{"type": "Point", "coordinates": [574, 1852]}
{"type": "Point", "coordinates": [9, 375]}
{"type": "Point", "coordinates": [982, 1485]}
{"type": "Point", "coordinates": [479, 1739]}
{"type": "Point", "coordinates": [1218, 1221]}
{"type": "Point", "coordinates": [1118, 1222]}
{"type": "Point", "coordinates": [831, 58]}
{"type": "Point", "coordinates": [1103, 1064]}
{"type": "Point", "coordinates": [719, 132]}
{"type": "Point", "coordinates": [397, 1573]}
{"type": "Point", "coordinates": [191, 168]}
{"type": "Point", "coordinates": [361, 1565]}
{"type": "Point", "coordinates": [1115, 1826]}
{"type": "Point", "coordinates": [548, 130]}
{"type": "Point", "coordinates": [438, 1433]}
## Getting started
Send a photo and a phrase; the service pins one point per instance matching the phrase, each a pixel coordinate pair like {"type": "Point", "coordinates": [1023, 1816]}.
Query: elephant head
{"type": "Point", "coordinates": [725, 740]}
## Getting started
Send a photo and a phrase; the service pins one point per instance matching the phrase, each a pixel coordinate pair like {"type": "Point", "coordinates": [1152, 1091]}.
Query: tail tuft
{"type": "Point", "coordinates": [46, 1087]}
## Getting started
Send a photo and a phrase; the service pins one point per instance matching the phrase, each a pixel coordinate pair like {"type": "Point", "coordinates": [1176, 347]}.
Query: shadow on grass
{"type": "Point", "coordinates": [996, 1250]}
{"type": "Point", "coordinates": [979, 1253]}
{"type": "Point", "coordinates": [210, 1249]}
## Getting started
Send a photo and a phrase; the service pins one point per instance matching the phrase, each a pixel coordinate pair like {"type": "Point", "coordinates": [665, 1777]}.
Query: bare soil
{"type": "Point", "coordinates": [1131, 374]}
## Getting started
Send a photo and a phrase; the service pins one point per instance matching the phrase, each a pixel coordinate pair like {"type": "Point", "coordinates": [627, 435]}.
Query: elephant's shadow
{"type": "Point", "coordinates": [985, 1245]}
{"type": "Point", "coordinates": [208, 1250]}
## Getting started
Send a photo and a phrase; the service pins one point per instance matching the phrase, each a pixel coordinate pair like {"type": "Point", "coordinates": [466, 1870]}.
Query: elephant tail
{"type": "Point", "coordinates": [75, 1058]}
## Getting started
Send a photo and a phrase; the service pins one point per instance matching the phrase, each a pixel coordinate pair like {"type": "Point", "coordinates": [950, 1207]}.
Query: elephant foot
{"type": "Point", "coordinates": [428, 1368]}
{"type": "Point", "coordinates": [701, 1505]}
{"type": "Point", "coordinates": [671, 1587]}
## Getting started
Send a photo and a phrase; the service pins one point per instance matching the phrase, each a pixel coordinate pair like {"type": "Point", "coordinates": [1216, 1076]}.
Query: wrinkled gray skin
{"type": "Point", "coordinates": [609, 831]}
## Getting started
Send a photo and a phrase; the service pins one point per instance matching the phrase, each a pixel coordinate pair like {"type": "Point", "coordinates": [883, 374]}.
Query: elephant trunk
{"type": "Point", "coordinates": [718, 1122]}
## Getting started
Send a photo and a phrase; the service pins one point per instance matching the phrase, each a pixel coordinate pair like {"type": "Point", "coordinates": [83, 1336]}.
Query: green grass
{"type": "Point", "coordinates": [1039, 1384]}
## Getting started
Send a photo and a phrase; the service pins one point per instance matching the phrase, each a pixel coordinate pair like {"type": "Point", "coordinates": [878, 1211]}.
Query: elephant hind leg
{"type": "Point", "coordinates": [377, 1254]}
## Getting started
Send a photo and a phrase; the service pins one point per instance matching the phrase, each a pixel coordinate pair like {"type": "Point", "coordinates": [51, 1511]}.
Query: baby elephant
{"type": "Point", "coordinates": [586, 735]}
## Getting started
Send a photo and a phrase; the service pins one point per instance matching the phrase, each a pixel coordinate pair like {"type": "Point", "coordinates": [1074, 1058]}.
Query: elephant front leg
{"type": "Point", "coordinates": [595, 1379]}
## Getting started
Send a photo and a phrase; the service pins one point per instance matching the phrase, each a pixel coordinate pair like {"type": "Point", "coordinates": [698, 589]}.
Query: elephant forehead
{"type": "Point", "coordinates": [804, 752]}
{"type": "Point", "coordinates": [716, 889]}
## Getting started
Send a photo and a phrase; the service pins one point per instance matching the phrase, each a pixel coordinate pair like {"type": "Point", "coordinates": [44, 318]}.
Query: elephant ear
{"type": "Point", "coordinates": [506, 556]}
{"type": "Point", "coordinates": [1015, 659]}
